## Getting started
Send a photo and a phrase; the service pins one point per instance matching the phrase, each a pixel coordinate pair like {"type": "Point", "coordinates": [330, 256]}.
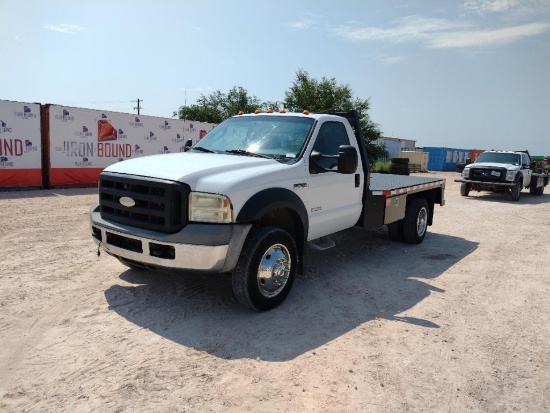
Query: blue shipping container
{"type": "Point", "coordinates": [445, 159]}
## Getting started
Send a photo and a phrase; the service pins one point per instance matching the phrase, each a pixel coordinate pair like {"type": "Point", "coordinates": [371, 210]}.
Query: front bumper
{"type": "Point", "coordinates": [486, 184]}
{"type": "Point", "coordinates": [197, 247]}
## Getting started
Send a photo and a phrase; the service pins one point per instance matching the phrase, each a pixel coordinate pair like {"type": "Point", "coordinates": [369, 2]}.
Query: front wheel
{"type": "Point", "coordinates": [415, 223]}
{"type": "Point", "coordinates": [515, 193]}
{"type": "Point", "coordinates": [266, 269]}
{"type": "Point", "coordinates": [464, 189]}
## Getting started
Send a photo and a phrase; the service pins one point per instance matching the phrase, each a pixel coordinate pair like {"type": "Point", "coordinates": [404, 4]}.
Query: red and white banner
{"type": "Point", "coordinates": [20, 145]}
{"type": "Point", "coordinates": [82, 142]}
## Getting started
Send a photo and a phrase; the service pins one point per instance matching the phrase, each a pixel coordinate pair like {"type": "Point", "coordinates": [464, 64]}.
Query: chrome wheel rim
{"type": "Point", "coordinates": [422, 221]}
{"type": "Point", "coordinates": [274, 270]}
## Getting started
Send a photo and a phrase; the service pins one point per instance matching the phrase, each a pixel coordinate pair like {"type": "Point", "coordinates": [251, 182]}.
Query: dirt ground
{"type": "Point", "coordinates": [459, 323]}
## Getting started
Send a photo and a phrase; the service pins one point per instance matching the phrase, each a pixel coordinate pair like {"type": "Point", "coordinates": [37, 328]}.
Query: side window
{"type": "Point", "coordinates": [524, 160]}
{"type": "Point", "coordinates": [330, 137]}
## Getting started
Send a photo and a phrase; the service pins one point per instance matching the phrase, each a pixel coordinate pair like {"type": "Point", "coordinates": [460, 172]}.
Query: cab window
{"type": "Point", "coordinates": [330, 137]}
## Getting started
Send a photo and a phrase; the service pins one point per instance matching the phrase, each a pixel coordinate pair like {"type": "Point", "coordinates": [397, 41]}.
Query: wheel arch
{"type": "Point", "coordinates": [431, 196]}
{"type": "Point", "coordinates": [279, 208]}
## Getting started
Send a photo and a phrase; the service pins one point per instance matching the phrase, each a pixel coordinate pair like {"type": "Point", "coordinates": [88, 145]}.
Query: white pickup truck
{"type": "Point", "coordinates": [251, 196]}
{"type": "Point", "coordinates": [502, 172]}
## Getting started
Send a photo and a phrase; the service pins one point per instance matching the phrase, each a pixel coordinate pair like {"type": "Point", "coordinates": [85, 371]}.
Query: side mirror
{"type": "Point", "coordinates": [347, 159]}
{"type": "Point", "coordinates": [187, 145]}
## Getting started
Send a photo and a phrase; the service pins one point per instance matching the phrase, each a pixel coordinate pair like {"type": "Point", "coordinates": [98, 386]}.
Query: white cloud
{"type": "Point", "coordinates": [484, 6]}
{"type": "Point", "coordinates": [509, 7]}
{"type": "Point", "coordinates": [64, 28]}
{"type": "Point", "coordinates": [302, 25]}
{"type": "Point", "coordinates": [410, 28]}
{"type": "Point", "coordinates": [391, 60]}
{"type": "Point", "coordinates": [487, 37]}
{"type": "Point", "coordinates": [442, 33]}
{"type": "Point", "coordinates": [305, 23]}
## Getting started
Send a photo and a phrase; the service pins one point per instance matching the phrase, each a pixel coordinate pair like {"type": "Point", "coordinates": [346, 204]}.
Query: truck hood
{"type": "Point", "coordinates": [205, 172]}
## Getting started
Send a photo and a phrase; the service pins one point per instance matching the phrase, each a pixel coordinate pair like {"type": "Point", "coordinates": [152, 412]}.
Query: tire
{"type": "Point", "coordinates": [515, 192]}
{"type": "Point", "coordinates": [540, 191]}
{"type": "Point", "coordinates": [264, 287]}
{"type": "Point", "coordinates": [460, 167]}
{"type": "Point", "coordinates": [464, 189]}
{"type": "Point", "coordinates": [400, 171]}
{"type": "Point", "coordinates": [546, 171]}
{"type": "Point", "coordinates": [415, 223]}
{"type": "Point", "coordinates": [395, 230]}
{"type": "Point", "coordinates": [400, 161]}
{"type": "Point", "coordinates": [532, 189]}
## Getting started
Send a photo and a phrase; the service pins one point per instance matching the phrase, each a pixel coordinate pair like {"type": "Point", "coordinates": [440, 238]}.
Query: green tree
{"type": "Point", "coordinates": [218, 106]}
{"type": "Point", "coordinates": [323, 96]}
{"type": "Point", "coordinates": [327, 96]}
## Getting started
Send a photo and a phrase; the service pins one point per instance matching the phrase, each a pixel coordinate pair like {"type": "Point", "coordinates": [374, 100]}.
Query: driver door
{"type": "Point", "coordinates": [334, 199]}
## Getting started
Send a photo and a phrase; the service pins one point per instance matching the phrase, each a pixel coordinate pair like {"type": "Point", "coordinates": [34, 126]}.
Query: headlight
{"type": "Point", "coordinates": [510, 175]}
{"type": "Point", "coordinates": [466, 173]}
{"type": "Point", "coordinates": [209, 208]}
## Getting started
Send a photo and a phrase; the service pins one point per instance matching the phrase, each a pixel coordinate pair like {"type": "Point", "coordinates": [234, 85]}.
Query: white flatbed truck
{"type": "Point", "coordinates": [251, 196]}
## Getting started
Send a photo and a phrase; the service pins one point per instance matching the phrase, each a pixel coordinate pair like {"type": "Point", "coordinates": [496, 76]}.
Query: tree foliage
{"type": "Point", "coordinates": [327, 96]}
{"type": "Point", "coordinates": [322, 96]}
{"type": "Point", "coordinates": [219, 106]}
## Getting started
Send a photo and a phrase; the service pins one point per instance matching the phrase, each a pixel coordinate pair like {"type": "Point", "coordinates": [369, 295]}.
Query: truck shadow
{"type": "Point", "coordinates": [366, 277]}
{"type": "Point", "coordinates": [525, 198]}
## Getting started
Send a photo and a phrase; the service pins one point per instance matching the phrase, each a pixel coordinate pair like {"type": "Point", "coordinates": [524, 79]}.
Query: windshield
{"type": "Point", "coordinates": [495, 157]}
{"type": "Point", "coordinates": [267, 136]}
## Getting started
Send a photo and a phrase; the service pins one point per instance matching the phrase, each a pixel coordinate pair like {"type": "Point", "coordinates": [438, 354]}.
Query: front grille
{"type": "Point", "coordinates": [159, 205]}
{"type": "Point", "coordinates": [488, 174]}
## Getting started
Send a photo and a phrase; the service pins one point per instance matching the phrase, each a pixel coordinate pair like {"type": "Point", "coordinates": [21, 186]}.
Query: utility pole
{"type": "Point", "coordinates": [138, 107]}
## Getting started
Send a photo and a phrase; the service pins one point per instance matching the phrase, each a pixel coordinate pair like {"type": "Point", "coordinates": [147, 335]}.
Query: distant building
{"type": "Point", "coordinates": [395, 145]}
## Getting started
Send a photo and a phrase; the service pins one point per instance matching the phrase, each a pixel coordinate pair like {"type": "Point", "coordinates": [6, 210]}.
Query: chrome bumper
{"type": "Point", "coordinates": [151, 250]}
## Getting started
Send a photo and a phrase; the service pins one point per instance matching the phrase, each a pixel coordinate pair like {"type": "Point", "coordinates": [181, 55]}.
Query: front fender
{"type": "Point", "coordinates": [270, 199]}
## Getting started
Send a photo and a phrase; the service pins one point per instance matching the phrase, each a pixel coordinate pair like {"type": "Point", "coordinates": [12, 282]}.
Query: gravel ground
{"type": "Point", "coordinates": [459, 323]}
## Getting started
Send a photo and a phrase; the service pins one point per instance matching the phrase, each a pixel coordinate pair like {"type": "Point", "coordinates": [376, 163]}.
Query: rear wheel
{"type": "Point", "coordinates": [464, 189]}
{"type": "Point", "coordinates": [266, 269]}
{"type": "Point", "coordinates": [415, 223]}
{"type": "Point", "coordinates": [540, 190]}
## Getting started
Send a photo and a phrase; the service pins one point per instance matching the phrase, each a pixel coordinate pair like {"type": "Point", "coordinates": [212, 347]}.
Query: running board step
{"type": "Point", "coordinates": [321, 244]}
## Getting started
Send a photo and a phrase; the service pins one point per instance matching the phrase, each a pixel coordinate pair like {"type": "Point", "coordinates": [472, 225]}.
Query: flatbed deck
{"type": "Point", "coordinates": [389, 184]}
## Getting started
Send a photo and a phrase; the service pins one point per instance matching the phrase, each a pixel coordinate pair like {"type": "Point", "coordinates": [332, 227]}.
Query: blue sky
{"type": "Point", "coordinates": [471, 74]}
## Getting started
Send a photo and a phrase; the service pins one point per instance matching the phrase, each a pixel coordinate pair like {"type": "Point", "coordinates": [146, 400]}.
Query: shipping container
{"type": "Point", "coordinates": [445, 159]}
{"type": "Point", "coordinates": [418, 160]}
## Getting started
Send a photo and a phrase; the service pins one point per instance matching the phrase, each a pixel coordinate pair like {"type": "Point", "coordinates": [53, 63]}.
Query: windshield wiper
{"type": "Point", "coordinates": [201, 149]}
{"type": "Point", "coordinates": [248, 153]}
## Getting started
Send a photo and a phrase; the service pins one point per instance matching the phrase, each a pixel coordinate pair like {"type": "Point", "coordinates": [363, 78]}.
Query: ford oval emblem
{"type": "Point", "coordinates": [127, 201]}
